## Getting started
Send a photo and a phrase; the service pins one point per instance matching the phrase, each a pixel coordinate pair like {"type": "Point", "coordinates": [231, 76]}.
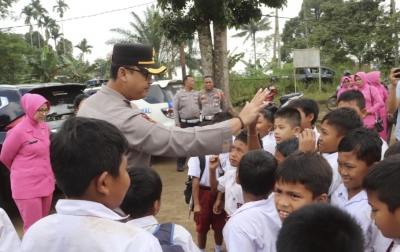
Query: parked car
{"type": "Point", "coordinates": [61, 98]}
{"type": "Point", "coordinates": [158, 104]}
{"type": "Point", "coordinates": [308, 75]}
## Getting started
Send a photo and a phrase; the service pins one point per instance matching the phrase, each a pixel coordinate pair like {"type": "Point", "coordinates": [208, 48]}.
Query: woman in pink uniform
{"type": "Point", "coordinates": [375, 81]}
{"type": "Point", "coordinates": [373, 100]}
{"type": "Point", "coordinates": [346, 85]}
{"type": "Point", "coordinates": [26, 153]}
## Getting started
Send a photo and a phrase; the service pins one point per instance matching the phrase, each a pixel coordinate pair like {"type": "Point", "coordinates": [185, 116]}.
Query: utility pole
{"type": "Point", "coordinates": [305, 22]}
{"type": "Point", "coordinates": [396, 35]}
{"type": "Point", "coordinates": [274, 59]}
{"type": "Point", "coordinates": [182, 59]}
{"type": "Point", "coordinates": [278, 39]}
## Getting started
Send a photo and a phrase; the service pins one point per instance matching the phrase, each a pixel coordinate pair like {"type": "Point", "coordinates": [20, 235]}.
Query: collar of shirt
{"type": "Point", "coordinates": [343, 192]}
{"type": "Point", "coordinates": [251, 204]}
{"type": "Point", "coordinates": [113, 93]}
{"type": "Point", "coordinates": [143, 222]}
{"type": "Point", "coordinates": [86, 208]}
{"type": "Point", "coordinates": [330, 156]}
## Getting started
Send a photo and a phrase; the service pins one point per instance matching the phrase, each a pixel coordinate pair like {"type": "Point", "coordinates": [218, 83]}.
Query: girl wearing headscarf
{"type": "Point", "coordinates": [375, 81]}
{"type": "Point", "coordinates": [373, 100]}
{"type": "Point", "coordinates": [346, 85]}
{"type": "Point", "coordinates": [26, 153]}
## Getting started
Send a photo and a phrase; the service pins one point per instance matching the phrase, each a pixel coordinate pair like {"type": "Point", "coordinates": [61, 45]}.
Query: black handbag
{"type": "Point", "coordinates": [188, 191]}
{"type": "Point", "coordinates": [378, 120]}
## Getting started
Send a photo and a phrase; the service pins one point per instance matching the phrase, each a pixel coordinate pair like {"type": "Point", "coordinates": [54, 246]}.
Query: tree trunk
{"type": "Point", "coordinates": [276, 39]}
{"type": "Point", "coordinates": [206, 48]}
{"type": "Point", "coordinates": [38, 36]}
{"type": "Point", "coordinates": [221, 60]}
{"type": "Point", "coordinates": [182, 59]}
{"type": "Point", "coordinates": [254, 48]}
{"type": "Point", "coordinates": [62, 27]}
{"type": "Point", "coordinates": [30, 33]}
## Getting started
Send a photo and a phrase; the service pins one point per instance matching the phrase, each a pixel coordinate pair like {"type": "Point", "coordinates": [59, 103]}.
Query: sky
{"type": "Point", "coordinates": [96, 27]}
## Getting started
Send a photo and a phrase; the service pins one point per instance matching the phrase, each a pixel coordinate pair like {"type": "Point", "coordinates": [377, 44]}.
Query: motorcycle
{"type": "Point", "coordinates": [284, 100]}
{"type": "Point", "coordinates": [331, 103]}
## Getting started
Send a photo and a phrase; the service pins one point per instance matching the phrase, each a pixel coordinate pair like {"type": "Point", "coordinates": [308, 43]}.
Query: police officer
{"type": "Point", "coordinates": [131, 73]}
{"type": "Point", "coordinates": [186, 110]}
{"type": "Point", "coordinates": [212, 100]}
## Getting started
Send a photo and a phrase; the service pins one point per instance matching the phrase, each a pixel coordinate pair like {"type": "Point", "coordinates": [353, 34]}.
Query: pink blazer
{"type": "Point", "coordinates": [26, 152]}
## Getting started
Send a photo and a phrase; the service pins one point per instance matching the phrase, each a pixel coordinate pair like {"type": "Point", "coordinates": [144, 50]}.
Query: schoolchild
{"type": "Point", "coordinates": [335, 125]}
{"type": "Point", "coordinates": [320, 227]}
{"type": "Point", "coordinates": [205, 200]}
{"type": "Point", "coordinates": [381, 183]}
{"type": "Point", "coordinates": [265, 128]}
{"type": "Point", "coordinates": [255, 225]}
{"type": "Point", "coordinates": [143, 202]}
{"type": "Point", "coordinates": [355, 99]}
{"type": "Point", "coordinates": [88, 157]}
{"type": "Point", "coordinates": [287, 124]}
{"type": "Point", "coordinates": [227, 183]}
{"type": "Point", "coordinates": [309, 111]}
{"type": "Point", "coordinates": [358, 151]}
{"type": "Point", "coordinates": [393, 150]}
{"type": "Point", "coordinates": [301, 179]}
{"type": "Point", "coordinates": [285, 148]}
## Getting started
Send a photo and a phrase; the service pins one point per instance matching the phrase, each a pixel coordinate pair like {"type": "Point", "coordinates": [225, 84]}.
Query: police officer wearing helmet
{"type": "Point", "coordinates": [186, 110]}
{"type": "Point", "coordinates": [347, 73]}
{"type": "Point", "coordinates": [212, 100]}
{"type": "Point", "coordinates": [132, 68]}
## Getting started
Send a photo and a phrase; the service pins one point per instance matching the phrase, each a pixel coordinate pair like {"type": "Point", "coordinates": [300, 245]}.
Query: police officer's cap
{"type": "Point", "coordinates": [138, 55]}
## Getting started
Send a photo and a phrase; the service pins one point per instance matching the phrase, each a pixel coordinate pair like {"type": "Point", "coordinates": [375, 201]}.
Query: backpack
{"type": "Point", "coordinates": [165, 235]}
{"type": "Point", "coordinates": [188, 191]}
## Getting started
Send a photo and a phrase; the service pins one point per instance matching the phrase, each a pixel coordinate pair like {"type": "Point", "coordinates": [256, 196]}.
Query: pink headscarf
{"type": "Point", "coordinates": [363, 77]}
{"type": "Point", "coordinates": [352, 81]}
{"type": "Point", "coordinates": [373, 78]}
{"type": "Point", "coordinates": [31, 103]}
{"type": "Point", "coordinates": [343, 80]}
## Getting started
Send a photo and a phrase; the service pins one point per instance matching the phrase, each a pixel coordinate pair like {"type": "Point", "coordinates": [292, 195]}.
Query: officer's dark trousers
{"type": "Point", "coordinates": [182, 160]}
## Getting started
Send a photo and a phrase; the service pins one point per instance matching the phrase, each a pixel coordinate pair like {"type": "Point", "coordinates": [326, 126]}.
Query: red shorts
{"type": "Point", "coordinates": [207, 217]}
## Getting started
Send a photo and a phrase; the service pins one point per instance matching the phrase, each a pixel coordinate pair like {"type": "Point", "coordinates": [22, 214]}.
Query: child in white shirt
{"type": "Point", "coordinates": [143, 202]}
{"type": "Point", "coordinates": [265, 128]}
{"type": "Point", "coordinates": [94, 183]}
{"type": "Point", "coordinates": [382, 184]}
{"type": "Point", "coordinates": [254, 226]}
{"type": "Point", "coordinates": [227, 183]}
{"type": "Point", "coordinates": [334, 126]}
{"type": "Point", "coordinates": [9, 240]}
{"type": "Point", "coordinates": [358, 151]}
{"type": "Point", "coordinates": [309, 111]}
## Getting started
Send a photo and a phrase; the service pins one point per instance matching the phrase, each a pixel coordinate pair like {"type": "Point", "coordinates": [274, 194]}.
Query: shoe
{"type": "Point", "coordinates": [179, 168]}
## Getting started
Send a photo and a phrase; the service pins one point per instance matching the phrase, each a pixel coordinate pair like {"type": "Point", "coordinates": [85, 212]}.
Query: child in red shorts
{"type": "Point", "coordinates": [204, 200]}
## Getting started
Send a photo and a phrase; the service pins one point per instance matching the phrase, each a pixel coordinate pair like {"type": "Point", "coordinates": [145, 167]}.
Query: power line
{"type": "Point", "coordinates": [81, 17]}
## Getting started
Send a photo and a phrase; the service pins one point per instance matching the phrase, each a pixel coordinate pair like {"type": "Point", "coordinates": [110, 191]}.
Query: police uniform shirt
{"type": "Point", "coordinates": [212, 102]}
{"type": "Point", "coordinates": [186, 105]}
{"type": "Point", "coordinates": [81, 225]}
{"type": "Point", "coordinates": [147, 137]}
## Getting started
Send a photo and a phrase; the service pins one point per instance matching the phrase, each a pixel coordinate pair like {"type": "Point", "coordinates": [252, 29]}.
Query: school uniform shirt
{"type": "Point", "coordinates": [384, 148]}
{"type": "Point", "coordinates": [396, 246]}
{"type": "Point", "coordinates": [269, 143]}
{"type": "Point", "coordinates": [317, 134]}
{"type": "Point", "coordinates": [253, 227]}
{"type": "Point", "coordinates": [147, 138]}
{"type": "Point", "coordinates": [359, 208]}
{"type": "Point", "coordinates": [336, 179]}
{"type": "Point", "coordinates": [233, 192]}
{"type": "Point", "coordinates": [224, 160]}
{"type": "Point", "coordinates": [194, 170]}
{"type": "Point", "coordinates": [9, 240]}
{"type": "Point", "coordinates": [81, 225]}
{"type": "Point", "coordinates": [181, 236]}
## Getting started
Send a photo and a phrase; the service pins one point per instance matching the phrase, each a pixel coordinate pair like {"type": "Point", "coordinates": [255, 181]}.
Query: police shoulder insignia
{"type": "Point", "coordinates": [222, 96]}
{"type": "Point", "coordinates": [148, 118]}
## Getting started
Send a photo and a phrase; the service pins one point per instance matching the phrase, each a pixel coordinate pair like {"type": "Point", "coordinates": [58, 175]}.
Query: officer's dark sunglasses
{"type": "Point", "coordinates": [147, 74]}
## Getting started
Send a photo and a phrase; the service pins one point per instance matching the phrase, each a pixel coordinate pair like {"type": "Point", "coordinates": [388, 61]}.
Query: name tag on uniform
{"type": "Point", "coordinates": [183, 98]}
{"type": "Point", "coordinates": [33, 142]}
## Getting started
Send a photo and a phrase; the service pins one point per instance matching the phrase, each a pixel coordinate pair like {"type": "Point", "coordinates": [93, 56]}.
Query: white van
{"type": "Point", "coordinates": [158, 104]}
